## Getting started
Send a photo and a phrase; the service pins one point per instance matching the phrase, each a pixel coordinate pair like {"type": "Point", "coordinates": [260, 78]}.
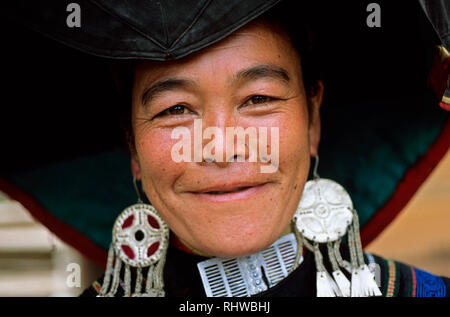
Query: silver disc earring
{"type": "Point", "coordinates": [324, 215]}
{"type": "Point", "coordinates": [140, 241]}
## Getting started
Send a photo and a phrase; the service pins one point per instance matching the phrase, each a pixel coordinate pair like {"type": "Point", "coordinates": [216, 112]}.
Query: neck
{"type": "Point", "coordinates": [181, 245]}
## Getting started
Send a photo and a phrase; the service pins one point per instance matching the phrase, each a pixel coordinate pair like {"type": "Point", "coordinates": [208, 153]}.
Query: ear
{"type": "Point", "coordinates": [135, 166]}
{"type": "Point", "coordinates": [314, 120]}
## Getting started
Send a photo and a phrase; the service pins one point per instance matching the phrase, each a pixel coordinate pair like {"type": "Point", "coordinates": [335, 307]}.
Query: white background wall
{"type": "Point", "coordinates": [33, 261]}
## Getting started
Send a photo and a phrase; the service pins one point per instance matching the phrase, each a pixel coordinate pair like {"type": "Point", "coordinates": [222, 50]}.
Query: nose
{"type": "Point", "coordinates": [223, 140]}
{"type": "Point", "coordinates": [239, 155]}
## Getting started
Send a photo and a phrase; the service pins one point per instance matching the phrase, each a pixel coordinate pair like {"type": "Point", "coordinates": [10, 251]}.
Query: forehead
{"type": "Point", "coordinates": [259, 42]}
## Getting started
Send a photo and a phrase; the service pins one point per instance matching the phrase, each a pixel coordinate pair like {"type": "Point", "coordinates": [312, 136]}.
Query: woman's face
{"type": "Point", "coordinates": [250, 79]}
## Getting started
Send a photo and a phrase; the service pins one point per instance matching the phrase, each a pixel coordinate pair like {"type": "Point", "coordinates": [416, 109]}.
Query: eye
{"type": "Point", "coordinates": [258, 99]}
{"type": "Point", "coordinates": [175, 110]}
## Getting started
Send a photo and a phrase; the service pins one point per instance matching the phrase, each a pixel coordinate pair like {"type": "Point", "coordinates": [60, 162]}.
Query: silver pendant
{"type": "Point", "coordinates": [243, 276]}
{"type": "Point", "coordinates": [324, 212]}
{"type": "Point", "coordinates": [140, 235]}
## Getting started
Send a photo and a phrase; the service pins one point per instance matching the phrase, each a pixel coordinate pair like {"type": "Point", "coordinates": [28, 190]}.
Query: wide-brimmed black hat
{"type": "Point", "coordinates": [384, 119]}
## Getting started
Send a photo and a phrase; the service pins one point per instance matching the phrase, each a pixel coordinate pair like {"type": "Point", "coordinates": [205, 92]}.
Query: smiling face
{"type": "Point", "coordinates": [251, 79]}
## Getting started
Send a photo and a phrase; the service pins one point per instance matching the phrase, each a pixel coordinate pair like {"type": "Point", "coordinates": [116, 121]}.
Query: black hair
{"type": "Point", "coordinates": [299, 29]}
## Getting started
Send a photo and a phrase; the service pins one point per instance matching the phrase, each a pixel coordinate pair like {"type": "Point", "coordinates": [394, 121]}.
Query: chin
{"type": "Point", "coordinates": [238, 245]}
{"type": "Point", "coordinates": [235, 234]}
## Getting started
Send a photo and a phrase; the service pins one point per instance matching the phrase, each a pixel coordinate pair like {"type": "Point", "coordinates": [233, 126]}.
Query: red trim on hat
{"type": "Point", "coordinates": [407, 187]}
{"type": "Point", "coordinates": [63, 231]}
{"type": "Point", "coordinates": [444, 105]}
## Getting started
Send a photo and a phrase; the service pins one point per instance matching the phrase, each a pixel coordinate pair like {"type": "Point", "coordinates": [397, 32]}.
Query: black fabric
{"type": "Point", "coordinates": [158, 30]}
{"type": "Point", "coordinates": [181, 274]}
{"type": "Point", "coordinates": [438, 12]}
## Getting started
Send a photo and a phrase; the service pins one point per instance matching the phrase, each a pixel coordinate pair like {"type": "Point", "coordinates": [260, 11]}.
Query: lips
{"type": "Point", "coordinates": [229, 192]}
{"type": "Point", "coordinates": [221, 192]}
{"type": "Point", "coordinates": [226, 188]}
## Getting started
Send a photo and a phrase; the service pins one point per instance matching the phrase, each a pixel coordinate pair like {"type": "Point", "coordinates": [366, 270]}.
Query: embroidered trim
{"type": "Point", "coordinates": [392, 279]}
{"type": "Point", "coordinates": [429, 285]}
{"type": "Point", "coordinates": [96, 286]}
{"type": "Point", "coordinates": [414, 282]}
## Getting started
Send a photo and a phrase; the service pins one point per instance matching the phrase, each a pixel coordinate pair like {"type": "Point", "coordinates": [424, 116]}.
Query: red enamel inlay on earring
{"type": "Point", "coordinates": [153, 248]}
{"type": "Point", "coordinates": [153, 222]}
{"type": "Point", "coordinates": [128, 222]}
{"type": "Point", "coordinates": [128, 251]}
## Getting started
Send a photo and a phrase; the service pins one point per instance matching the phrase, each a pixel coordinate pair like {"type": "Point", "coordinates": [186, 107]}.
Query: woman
{"type": "Point", "coordinates": [231, 204]}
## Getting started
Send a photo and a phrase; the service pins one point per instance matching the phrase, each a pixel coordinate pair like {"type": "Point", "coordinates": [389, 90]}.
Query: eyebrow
{"type": "Point", "coordinates": [262, 71]}
{"type": "Point", "coordinates": [165, 85]}
{"type": "Point", "coordinates": [248, 74]}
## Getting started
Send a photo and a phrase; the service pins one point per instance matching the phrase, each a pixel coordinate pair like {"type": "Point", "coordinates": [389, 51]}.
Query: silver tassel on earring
{"type": "Point", "coordinates": [140, 240]}
{"type": "Point", "coordinates": [363, 281]}
{"type": "Point", "coordinates": [341, 280]}
{"type": "Point", "coordinates": [324, 215]}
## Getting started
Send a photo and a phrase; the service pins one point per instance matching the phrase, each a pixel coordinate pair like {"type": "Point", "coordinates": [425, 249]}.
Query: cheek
{"type": "Point", "coordinates": [154, 152]}
{"type": "Point", "coordinates": [294, 141]}
{"type": "Point", "coordinates": [293, 145]}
